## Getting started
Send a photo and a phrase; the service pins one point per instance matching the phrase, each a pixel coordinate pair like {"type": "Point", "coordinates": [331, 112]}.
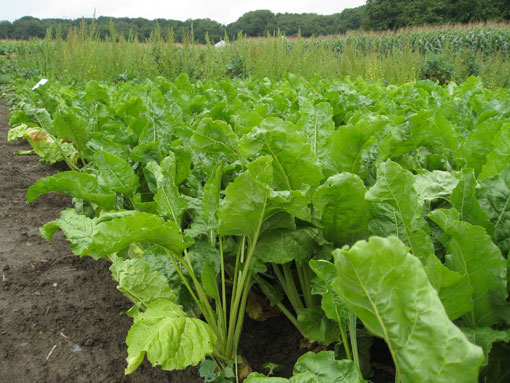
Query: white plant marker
{"type": "Point", "coordinates": [40, 83]}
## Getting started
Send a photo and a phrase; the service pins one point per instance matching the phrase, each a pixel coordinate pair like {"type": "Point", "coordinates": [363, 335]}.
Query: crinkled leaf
{"type": "Point", "coordinates": [139, 282]}
{"type": "Point", "coordinates": [115, 173]}
{"type": "Point", "coordinates": [388, 289]}
{"type": "Point", "coordinates": [168, 337]}
{"type": "Point", "coordinates": [79, 230]}
{"type": "Point", "coordinates": [340, 206]}
{"type": "Point", "coordinates": [74, 184]}
{"type": "Point", "coordinates": [325, 369]}
{"type": "Point", "coordinates": [435, 184]}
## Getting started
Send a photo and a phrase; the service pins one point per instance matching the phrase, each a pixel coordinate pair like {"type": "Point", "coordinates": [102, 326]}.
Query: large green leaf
{"type": "Point", "coordinates": [79, 230]}
{"type": "Point", "coordinates": [317, 123]}
{"type": "Point", "coordinates": [387, 288]}
{"type": "Point", "coordinates": [317, 326]}
{"type": "Point", "coordinates": [464, 200]}
{"type": "Point", "coordinates": [499, 157]}
{"type": "Point", "coordinates": [316, 368]}
{"type": "Point", "coordinates": [118, 232]}
{"type": "Point", "coordinates": [294, 164]}
{"type": "Point", "coordinates": [115, 173]}
{"type": "Point", "coordinates": [494, 197]}
{"type": "Point", "coordinates": [242, 210]}
{"type": "Point", "coordinates": [113, 232]}
{"type": "Point", "coordinates": [351, 144]}
{"type": "Point", "coordinates": [70, 126]}
{"type": "Point", "coordinates": [169, 201]}
{"type": "Point", "coordinates": [454, 289]}
{"type": "Point", "coordinates": [74, 184]}
{"type": "Point", "coordinates": [211, 197]}
{"type": "Point", "coordinates": [434, 185]}
{"type": "Point", "coordinates": [340, 205]}
{"type": "Point", "coordinates": [395, 209]}
{"type": "Point", "coordinates": [214, 137]}
{"type": "Point", "coordinates": [139, 282]}
{"type": "Point", "coordinates": [282, 246]}
{"type": "Point", "coordinates": [168, 337]}
{"type": "Point", "coordinates": [472, 253]}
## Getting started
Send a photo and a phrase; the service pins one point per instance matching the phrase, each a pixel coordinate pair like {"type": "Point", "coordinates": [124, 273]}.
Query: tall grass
{"type": "Point", "coordinates": [391, 56]}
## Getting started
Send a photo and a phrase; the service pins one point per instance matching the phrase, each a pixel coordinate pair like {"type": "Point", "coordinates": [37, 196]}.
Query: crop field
{"type": "Point", "coordinates": [358, 229]}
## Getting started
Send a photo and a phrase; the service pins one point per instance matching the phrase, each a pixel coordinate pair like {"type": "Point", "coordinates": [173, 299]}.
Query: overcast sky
{"type": "Point", "coordinates": [224, 11]}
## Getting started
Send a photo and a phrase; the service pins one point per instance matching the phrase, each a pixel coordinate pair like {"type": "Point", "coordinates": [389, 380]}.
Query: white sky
{"type": "Point", "coordinates": [224, 11]}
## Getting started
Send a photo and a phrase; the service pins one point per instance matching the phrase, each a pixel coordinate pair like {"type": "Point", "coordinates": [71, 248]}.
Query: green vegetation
{"type": "Point", "coordinates": [397, 58]}
{"type": "Point", "coordinates": [358, 209]}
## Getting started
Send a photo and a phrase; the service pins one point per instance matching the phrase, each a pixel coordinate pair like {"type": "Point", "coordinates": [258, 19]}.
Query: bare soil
{"type": "Point", "coordinates": [61, 317]}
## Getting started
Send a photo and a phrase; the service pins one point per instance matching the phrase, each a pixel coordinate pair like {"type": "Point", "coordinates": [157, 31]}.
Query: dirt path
{"type": "Point", "coordinates": [60, 316]}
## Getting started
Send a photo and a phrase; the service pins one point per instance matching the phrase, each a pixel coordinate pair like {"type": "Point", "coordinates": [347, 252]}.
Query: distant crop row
{"type": "Point", "coordinates": [450, 54]}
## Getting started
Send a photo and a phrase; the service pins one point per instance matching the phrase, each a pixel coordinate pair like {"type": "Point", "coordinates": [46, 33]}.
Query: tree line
{"type": "Point", "coordinates": [375, 15]}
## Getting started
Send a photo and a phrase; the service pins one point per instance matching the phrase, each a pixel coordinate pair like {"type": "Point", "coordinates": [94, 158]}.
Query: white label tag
{"type": "Point", "coordinates": [40, 83]}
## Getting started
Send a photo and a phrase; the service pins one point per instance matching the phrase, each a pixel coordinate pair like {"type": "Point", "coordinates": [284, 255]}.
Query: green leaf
{"type": "Point", "coordinates": [245, 203]}
{"type": "Point", "coordinates": [294, 164]}
{"type": "Point", "coordinates": [387, 288]}
{"type": "Point", "coordinates": [316, 121]}
{"type": "Point", "coordinates": [454, 289]}
{"type": "Point", "coordinates": [499, 157]}
{"type": "Point", "coordinates": [79, 230]}
{"type": "Point", "coordinates": [71, 127]}
{"type": "Point", "coordinates": [485, 337]}
{"type": "Point", "coordinates": [472, 253]}
{"type": "Point", "coordinates": [494, 197]}
{"type": "Point", "coordinates": [317, 326]}
{"type": "Point", "coordinates": [209, 279]}
{"type": "Point", "coordinates": [332, 305]}
{"type": "Point", "coordinates": [113, 232]}
{"type": "Point", "coordinates": [168, 337]}
{"type": "Point", "coordinates": [169, 201]}
{"type": "Point", "coordinates": [340, 206]}
{"type": "Point", "coordinates": [282, 246]}
{"type": "Point", "coordinates": [211, 197]}
{"type": "Point", "coordinates": [214, 137]}
{"type": "Point", "coordinates": [436, 184]}
{"type": "Point", "coordinates": [316, 368]}
{"type": "Point", "coordinates": [120, 231]}
{"type": "Point", "coordinates": [325, 369]}
{"type": "Point", "coordinates": [74, 184]}
{"type": "Point", "coordinates": [115, 174]}
{"type": "Point", "coordinates": [396, 210]}
{"type": "Point", "coordinates": [464, 200]}
{"type": "Point", "coordinates": [139, 282]}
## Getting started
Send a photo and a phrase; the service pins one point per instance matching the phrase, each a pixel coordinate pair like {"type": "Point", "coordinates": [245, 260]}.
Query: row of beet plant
{"type": "Point", "coordinates": [358, 210]}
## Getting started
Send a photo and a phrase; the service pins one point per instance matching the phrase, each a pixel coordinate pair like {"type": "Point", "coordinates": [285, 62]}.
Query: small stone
{"type": "Point", "coordinates": [55, 284]}
{"type": "Point", "coordinates": [75, 348]}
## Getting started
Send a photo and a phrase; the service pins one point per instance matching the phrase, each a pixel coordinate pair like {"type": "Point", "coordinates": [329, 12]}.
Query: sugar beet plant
{"type": "Point", "coordinates": [358, 210]}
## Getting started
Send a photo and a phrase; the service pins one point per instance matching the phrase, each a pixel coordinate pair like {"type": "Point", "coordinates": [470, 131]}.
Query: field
{"type": "Point", "coordinates": [310, 209]}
